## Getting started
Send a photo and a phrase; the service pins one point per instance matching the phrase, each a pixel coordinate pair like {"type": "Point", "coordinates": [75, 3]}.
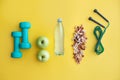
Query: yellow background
{"type": "Point", "coordinates": [43, 15]}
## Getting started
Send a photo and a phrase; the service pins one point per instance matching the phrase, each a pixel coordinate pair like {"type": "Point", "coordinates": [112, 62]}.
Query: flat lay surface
{"type": "Point", "coordinates": [43, 15]}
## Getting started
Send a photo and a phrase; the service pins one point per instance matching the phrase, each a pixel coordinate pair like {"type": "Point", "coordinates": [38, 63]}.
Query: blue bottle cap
{"type": "Point", "coordinates": [59, 20]}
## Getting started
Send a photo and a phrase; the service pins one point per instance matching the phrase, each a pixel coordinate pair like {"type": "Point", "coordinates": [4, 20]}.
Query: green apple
{"type": "Point", "coordinates": [43, 56]}
{"type": "Point", "coordinates": [42, 42]}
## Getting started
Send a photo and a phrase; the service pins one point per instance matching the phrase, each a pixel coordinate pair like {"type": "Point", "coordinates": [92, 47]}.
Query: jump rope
{"type": "Point", "coordinates": [99, 47]}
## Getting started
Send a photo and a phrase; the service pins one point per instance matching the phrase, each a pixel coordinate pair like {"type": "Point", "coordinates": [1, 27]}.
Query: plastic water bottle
{"type": "Point", "coordinates": [59, 38]}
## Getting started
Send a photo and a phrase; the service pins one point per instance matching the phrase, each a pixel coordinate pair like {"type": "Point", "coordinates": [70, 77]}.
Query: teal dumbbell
{"type": "Point", "coordinates": [25, 42]}
{"type": "Point", "coordinates": [16, 53]}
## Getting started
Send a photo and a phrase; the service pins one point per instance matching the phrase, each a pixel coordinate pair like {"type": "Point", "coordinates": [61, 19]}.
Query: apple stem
{"type": "Point", "coordinates": [42, 42]}
{"type": "Point", "coordinates": [43, 56]}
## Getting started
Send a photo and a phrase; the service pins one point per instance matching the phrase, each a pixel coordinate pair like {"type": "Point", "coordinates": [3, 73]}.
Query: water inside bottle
{"type": "Point", "coordinates": [59, 38]}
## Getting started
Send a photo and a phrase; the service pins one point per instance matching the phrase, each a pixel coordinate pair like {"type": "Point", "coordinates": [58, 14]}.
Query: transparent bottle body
{"type": "Point", "coordinates": [59, 39]}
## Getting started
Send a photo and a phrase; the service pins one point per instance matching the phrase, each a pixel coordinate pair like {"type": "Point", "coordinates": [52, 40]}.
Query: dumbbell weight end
{"type": "Point", "coordinates": [25, 45]}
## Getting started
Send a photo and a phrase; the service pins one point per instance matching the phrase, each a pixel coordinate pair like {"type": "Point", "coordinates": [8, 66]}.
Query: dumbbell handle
{"type": "Point", "coordinates": [25, 35]}
{"type": "Point", "coordinates": [90, 18]}
{"type": "Point", "coordinates": [96, 11]}
{"type": "Point", "coordinates": [16, 44]}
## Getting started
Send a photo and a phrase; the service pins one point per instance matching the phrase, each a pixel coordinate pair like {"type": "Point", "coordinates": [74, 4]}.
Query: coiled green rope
{"type": "Point", "coordinates": [99, 47]}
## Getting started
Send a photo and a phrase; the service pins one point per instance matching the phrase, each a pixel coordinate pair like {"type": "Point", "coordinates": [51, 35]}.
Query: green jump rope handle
{"type": "Point", "coordinates": [98, 34]}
